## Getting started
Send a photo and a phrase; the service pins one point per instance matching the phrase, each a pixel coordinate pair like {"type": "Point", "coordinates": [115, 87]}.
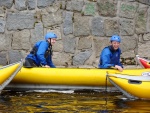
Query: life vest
{"type": "Point", "coordinates": [47, 53]}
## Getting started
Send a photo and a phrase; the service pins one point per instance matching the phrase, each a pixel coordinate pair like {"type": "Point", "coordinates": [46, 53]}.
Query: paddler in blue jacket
{"type": "Point", "coordinates": [41, 54]}
{"type": "Point", "coordinates": [110, 56]}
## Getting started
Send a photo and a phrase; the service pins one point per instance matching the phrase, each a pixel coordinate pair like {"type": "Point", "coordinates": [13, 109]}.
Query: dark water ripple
{"type": "Point", "coordinates": [72, 102]}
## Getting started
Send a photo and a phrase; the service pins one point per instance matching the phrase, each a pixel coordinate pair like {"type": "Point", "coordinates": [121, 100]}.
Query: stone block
{"type": "Point", "coordinates": [31, 4]}
{"type": "Point", "coordinates": [21, 40]}
{"type": "Point", "coordinates": [81, 57]}
{"type": "Point", "coordinates": [69, 44]}
{"type": "Point", "coordinates": [128, 43]}
{"type": "Point", "coordinates": [147, 2]}
{"type": "Point", "coordinates": [99, 44]}
{"type": "Point", "coordinates": [20, 5]}
{"type": "Point", "coordinates": [2, 25]}
{"type": "Point", "coordinates": [127, 54]}
{"type": "Point", "coordinates": [2, 12]}
{"type": "Point", "coordinates": [68, 6]}
{"type": "Point", "coordinates": [58, 47]}
{"type": "Point", "coordinates": [20, 20]}
{"type": "Point", "coordinates": [85, 43]}
{"type": "Point", "coordinates": [126, 27]}
{"type": "Point", "coordinates": [111, 27]}
{"type": "Point", "coordinates": [52, 19]}
{"type": "Point", "coordinates": [89, 8]}
{"type": "Point", "coordinates": [143, 49]}
{"type": "Point", "coordinates": [3, 56]}
{"type": "Point", "coordinates": [4, 42]}
{"type": "Point", "coordinates": [6, 3]}
{"type": "Point", "coordinates": [81, 25]}
{"type": "Point", "coordinates": [146, 37]}
{"type": "Point", "coordinates": [97, 26]}
{"type": "Point", "coordinates": [44, 3]}
{"type": "Point", "coordinates": [128, 9]}
{"type": "Point", "coordinates": [14, 56]}
{"type": "Point", "coordinates": [62, 59]}
{"type": "Point", "coordinates": [68, 23]}
{"type": "Point", "coordinates": [75, 5]}
{"type": "Point", "coordinates": [148, 20]}
{"type": "Point", "coordinates": [37, 33]}
{"type": "Point", "coordinates": [141, 19]}
{"type": "Point", "coordinates": [107, 7]}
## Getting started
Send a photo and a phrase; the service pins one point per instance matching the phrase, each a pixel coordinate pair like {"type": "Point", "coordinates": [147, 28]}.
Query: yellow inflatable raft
{"type": "Point", "coordinates": [7, 73]}
{"type": "Point", "coordinates": [65, 78]}
{"type": "Point", "coordinates": [132, 86]}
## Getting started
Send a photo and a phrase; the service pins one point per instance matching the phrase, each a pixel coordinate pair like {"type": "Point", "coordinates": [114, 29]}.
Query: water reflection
{"type": "Point", "coordinates": [139, 106]}
{"type": "Point", "coordinates": [72, 102]}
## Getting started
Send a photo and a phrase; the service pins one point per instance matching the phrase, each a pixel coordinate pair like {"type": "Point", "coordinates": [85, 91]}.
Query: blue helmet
{"type": "Point", "coordinates": [115, 38]}
{"type": "Point", "coordinates": [50, 35]}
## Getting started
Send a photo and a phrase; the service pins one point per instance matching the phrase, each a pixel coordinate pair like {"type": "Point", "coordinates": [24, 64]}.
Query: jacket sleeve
{"type": "Point", "coordinates": [105, 59]}
{"type": "Point", "coordinates": [41, 52]}
{"type": "Point", "coordinates": [50, 63]}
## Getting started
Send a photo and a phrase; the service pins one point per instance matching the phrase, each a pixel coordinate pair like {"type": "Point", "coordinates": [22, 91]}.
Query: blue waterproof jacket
{"type": "Point", "coordinates": [39, 56]}
{"type": "Point", "coordinates": [110, 57]}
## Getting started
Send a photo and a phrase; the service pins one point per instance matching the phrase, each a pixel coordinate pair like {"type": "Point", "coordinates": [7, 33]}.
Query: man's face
{"type": "Point", "coordinates": [52, 41]}
{"type": "Point", "coordinates": [115, 45]}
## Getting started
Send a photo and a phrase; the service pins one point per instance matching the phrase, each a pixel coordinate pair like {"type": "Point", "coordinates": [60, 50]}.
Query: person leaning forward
{"type": "Point", "coordinates": [41, 53]}
{"type": "Point", "coordinates": [110, 56]}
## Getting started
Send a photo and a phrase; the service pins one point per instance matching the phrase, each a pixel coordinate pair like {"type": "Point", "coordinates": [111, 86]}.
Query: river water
{"type": "Point", "coordinates": [69, 101]}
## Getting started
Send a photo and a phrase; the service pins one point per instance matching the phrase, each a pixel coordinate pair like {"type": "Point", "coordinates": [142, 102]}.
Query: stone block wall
{"type": "Point", "coordinates": [83, 28]}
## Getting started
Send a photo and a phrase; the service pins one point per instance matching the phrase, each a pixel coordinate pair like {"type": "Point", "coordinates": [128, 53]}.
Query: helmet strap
{"type": "Point", "coordinates": [49, 51]}
{"type": "Point", "coordinates": [50, 47]}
